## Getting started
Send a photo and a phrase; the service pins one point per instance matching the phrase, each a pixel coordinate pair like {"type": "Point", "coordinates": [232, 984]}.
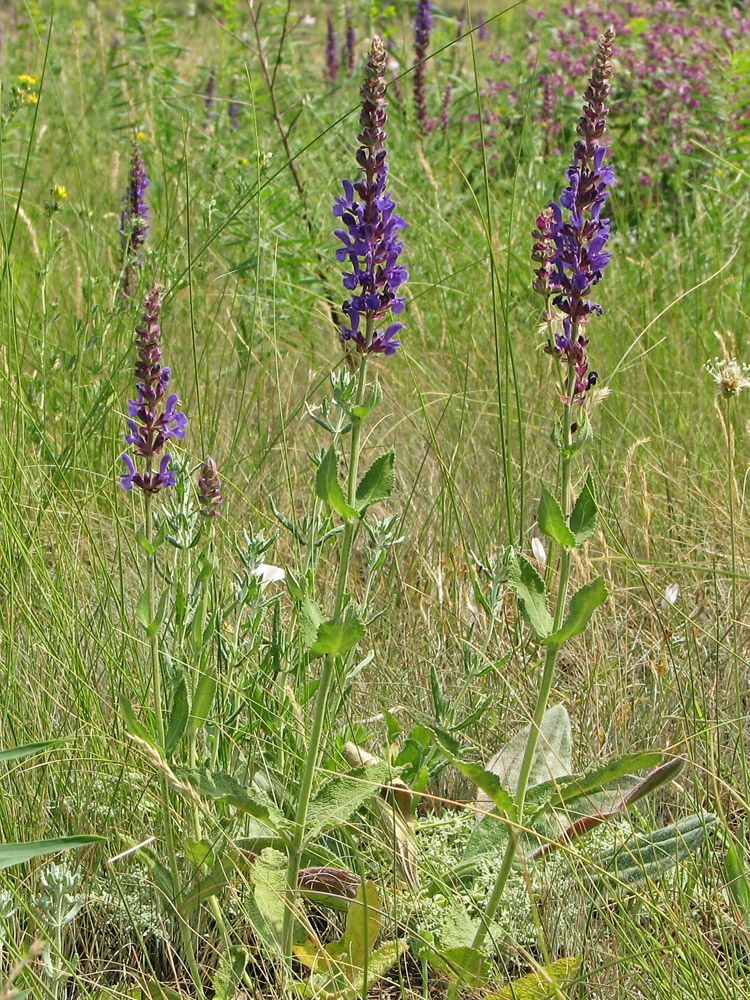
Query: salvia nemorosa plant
{"type": "Point", "coordinates": [153, 417]}
{"type": "Point", "coordinates": [153, 420]}
{"type": "Point", "coordinates": [569, 252]}
{"type": "Point", "coordinates": [371, 245]}
{"type": "Point", "coordinates": [331, 69]}
{"type": "Point", "coordinates": [371, 248]}
{"type": "Point", "coordinates": [134, 224]}
{"type": "Point", "coordinates": [422, 30]}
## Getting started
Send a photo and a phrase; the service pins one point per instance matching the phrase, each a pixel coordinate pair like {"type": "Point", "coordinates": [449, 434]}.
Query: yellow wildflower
{"type": "Point", "coordinates": [243, 161]}
{"type": "Point", "coordinates": [27, 81]}
{"type": "Point", "coordinates": [141, 136]}
{"type": "Point", "coordinates": [59, 192]}
{"type": "Point", "coordinates": [32, 98]}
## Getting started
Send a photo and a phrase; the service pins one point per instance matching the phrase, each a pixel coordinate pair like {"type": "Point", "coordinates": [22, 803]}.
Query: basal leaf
{"type": "Point", "coordinates": [343, 795]}
{"type": "Point", "coordinates": [552, 521]}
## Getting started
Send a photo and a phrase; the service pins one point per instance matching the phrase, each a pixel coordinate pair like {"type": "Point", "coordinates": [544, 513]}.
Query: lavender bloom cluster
{"type": "Point", "coordinates": [370, 242]}
{"type": "Point", "coordinates": [571, 252]}
{"type": "Point", "coordinates": [134, 224]}
{"type": "Point", "coordinates": [152, 419]}
{"type": "Point", "coordinates": [422, 30]}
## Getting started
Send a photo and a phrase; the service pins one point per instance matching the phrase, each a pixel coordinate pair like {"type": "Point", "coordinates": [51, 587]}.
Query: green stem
{"type": "Point", "coordinates": [544, 688]}
{"type": "Point", "coordinates": [156, 681]}
{"type": "Point", "coordinates": [324, 685]}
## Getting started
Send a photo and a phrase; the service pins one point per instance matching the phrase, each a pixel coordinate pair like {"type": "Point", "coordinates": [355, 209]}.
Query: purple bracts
{"type": "Point", "coordinates": [370, 242]}
{"type": "Point", "coordinates": [577, 245]}
{"type": "Point", "coordinates": [152, 421]}
{"type": "Point", "coordinates": [209, 489]}
{"type": "Point", "coordinates": [134, 224]}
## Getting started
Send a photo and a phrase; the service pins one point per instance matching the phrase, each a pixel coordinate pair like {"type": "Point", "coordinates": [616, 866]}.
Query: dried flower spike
{"type": "Point", "coordinates": [209, 489]}
{"type": "Point", "coordinates": [350, 42]}
{"type": "Point", "coordinates": [152, 418]}
{"type": "Point", "coordinates": [332, 52]}
{"type": "Point", "coordinates": [371, 244]}
{"type": "Point", "coordinates": [134, 223]}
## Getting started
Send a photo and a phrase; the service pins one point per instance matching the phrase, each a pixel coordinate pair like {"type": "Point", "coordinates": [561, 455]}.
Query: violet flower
{"type": "Point", "coordinates": [134, 223]}
{"type": "Point", "coordinates": [332, 52]}
{"type": "Point", "coordinates": [152, 419]}
{"type": "Point", "coordinates": [572, 252]}
{"type": "Point", "coordinates": [370, 242]}
{"type": "Point", "coordinates": [422, 29]}
{"type": "Point", "coordinates": [209, 489]}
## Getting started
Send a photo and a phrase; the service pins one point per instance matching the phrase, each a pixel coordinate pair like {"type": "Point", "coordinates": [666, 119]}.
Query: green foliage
{"type": "Point", "coordinates": [377, 483]}
{"type": "Point", "coordinates": [342, 796]}
{"type": "Point", "coordinates": [532, 596]}
{"type": "Point", "coordinates": [552, 522]}
{"type": "Point", "coordinates": [582, 606]}
{"type": "Point", "coordinates": [16, 854]}
{"type": "Point", "coordinates": [583, 515]}
{"type": "Point", "coordinates": [327, 485]}
{"type": "Point", "coordinates": [646, 857]}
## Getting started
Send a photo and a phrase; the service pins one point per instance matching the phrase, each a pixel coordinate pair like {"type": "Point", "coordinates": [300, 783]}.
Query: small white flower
{"type": "Point", "coordinates": [671, 593]}
{"type": "Point", "coordinates": [392, 64]}
{"type": "Point", "coordinates": [540, 553]}
{"type": "Point", "coordinates": [269, 574]}
{"type": "Point", "coordinates": [308, 19]}
{"type": "Point", "coordinates": [730, 376]}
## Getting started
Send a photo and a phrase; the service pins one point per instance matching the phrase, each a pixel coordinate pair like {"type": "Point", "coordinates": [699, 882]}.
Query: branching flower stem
{"type": "Point", "coordinates": [326, 676]}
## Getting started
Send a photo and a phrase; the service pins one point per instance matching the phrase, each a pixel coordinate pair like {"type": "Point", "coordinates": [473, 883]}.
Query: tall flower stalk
{"type": "Point", "coordinates": [153, 420]}
{"type": "Point", "coordinates": [422, 30]}
{"type": "Point", "coordinates": [331, 71]}
{"type": "Point", "coordinates": [571, 257]}
{"type": "Point", "coordinates": [134, 224]}
{"type": "Point", "coordinates": [371, 249]}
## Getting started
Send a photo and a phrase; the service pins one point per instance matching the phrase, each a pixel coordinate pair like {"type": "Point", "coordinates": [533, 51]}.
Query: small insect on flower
{"type": "Point", "coordinates": [730, 376]}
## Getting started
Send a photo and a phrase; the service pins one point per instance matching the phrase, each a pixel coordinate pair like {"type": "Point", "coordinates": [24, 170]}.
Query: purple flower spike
{"type": "Point", "coordinates": [209, 489]}
{"type": "Point", "coordinates": [571, 252]}
{"type": "Point", "coordinates": [371, 246]}
{"type": "Point", "coordinates": [152, 420]}
{"type": "Point", "coordinates": [422, 29]}
{"type": "Point", "coordinates": [350, 43]}
{"type": "Point", "coordinates": [234, 108]}
{"type": "Point", "coordinates": [209, 100]}
{"type": "Point", "coordinates": [332, 52]}
{"type": "Point", "coordinates": [134, 223]}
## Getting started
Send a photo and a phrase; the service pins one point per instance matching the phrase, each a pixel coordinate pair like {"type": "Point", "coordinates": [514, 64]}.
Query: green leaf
{"type": "Point", "coordinates": [143, 616]}
{"type": "Point", "coordinates": [532, 596]}
{"type": "Point", "coordinates": [311, 617]}
{"type": "Point", "coordinates": [178, 719]}
{"type": "Point", "coordinates": [553, 757]}
{"type": "Point", "coordinates": [583, 515]}
{"type": "Point", "coordinates": [229, 971]}
{"type": "Point", "coordinates": [489, 836]}
{"type": "Point", "coordinates": [28, 749]}
{"type": "Point", "coordinates": [16, 854]}
{"type": "Point", "coordinates": [462, 963]}
{"type": "Point", "coordinates": [373, 398]}
{"type": "Point", "coordinates": [270, 894]}
{"type": "Point", "coordinates": [582, 606]}
{"type": "Point", "coordinates": [221, 787]}
{"type": "Point", "coordinates": [544, 984]}
{"type": "Point", "coordinates": [337, 637]}
{"type": "Point", "coordinates": [552, 522]}
{"type": "Point", "coordinates": [737, 879]}
{"type": "Point", "coordinates": [132, 723]}
{"type": "Point", "coordinates": [328, 488]}
{"type": "Point", "coordinates": [377, 483]}
{"type": "Point", "coordinates": [342, 796]}
{"type": "Point", "coordinates": [351, 948]}
{"type": "Point", "coordinates": [486, 780]}
{"type": "Point", "coordinates": [380, 961]}
{"type": "Point", "coordinates": [205, 691]}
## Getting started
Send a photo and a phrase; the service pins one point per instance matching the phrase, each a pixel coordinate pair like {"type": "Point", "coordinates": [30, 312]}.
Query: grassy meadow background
{"type": "Point", "coordinates": [246, 252]}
